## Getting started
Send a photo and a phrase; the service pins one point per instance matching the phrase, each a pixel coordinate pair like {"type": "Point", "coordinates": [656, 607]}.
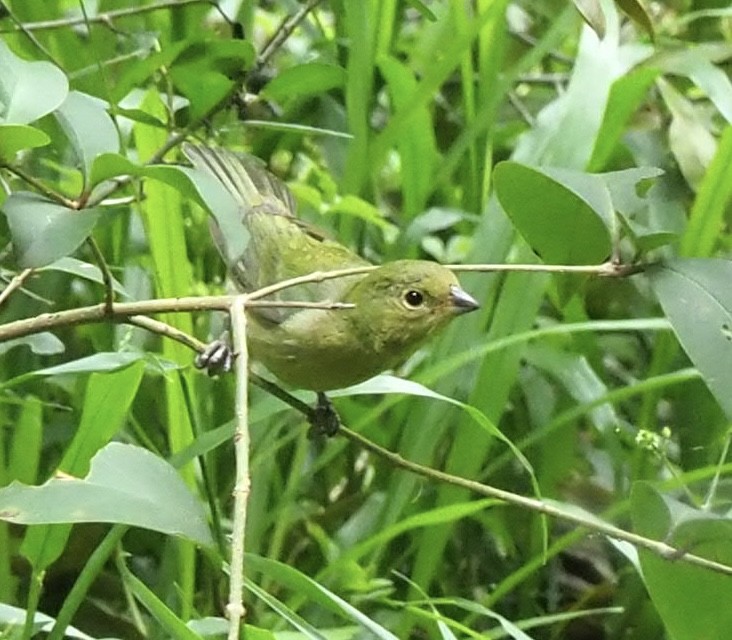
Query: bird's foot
{"type": "Point", "coordinates": [217, 357]}
{"type": "Point", "coordinates": [324, 420]}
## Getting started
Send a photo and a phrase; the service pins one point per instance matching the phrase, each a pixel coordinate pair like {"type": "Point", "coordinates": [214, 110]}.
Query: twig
{"type": "Point", "coordinates": [166, 330]}
{"type": "Point", "coordinates": [235, 607]}
{"type": "Point", "coordinates": [19, 26]}
{"type": "Point", "coordinates": [283, 32]}
{"type": "Point", "coordinates": [661, 549]}
{"type": "Point", "coordinates": [14, 284]}
{"type": "Point", "coordinates": [122, 311]}
{"type": "Point", "coordinates": [104, 18]}
{"type": "Point", "coordinates": [42, 188]}
{"type": "Point", "coordinates": [106, 275]}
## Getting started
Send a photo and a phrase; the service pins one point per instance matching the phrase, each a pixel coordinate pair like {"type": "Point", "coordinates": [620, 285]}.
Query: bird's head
{"type": "Point", "coordinates": [400, 304]}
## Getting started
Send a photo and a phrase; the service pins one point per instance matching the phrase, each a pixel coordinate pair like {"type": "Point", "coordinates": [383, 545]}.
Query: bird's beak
{"type": "Point", "coordinates": [462, 301]}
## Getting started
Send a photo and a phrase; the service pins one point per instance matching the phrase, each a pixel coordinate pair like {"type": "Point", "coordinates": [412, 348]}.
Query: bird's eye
{"type": "Point", "coordinates": [413, 299]}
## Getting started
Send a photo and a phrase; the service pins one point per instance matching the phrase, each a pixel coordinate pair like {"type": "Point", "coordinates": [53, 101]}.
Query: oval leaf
{"type": "Point", "coordinates": [559, 224]}
{"type": "Point", "coordinates": [44, 231]}
{"type": "Point", "coordinates": [89, 128]}
{"type": "Point", "coordinates": [125, 485]}
{"type": "Point", "coordinates": [14, 137]}
{"type": "Point", "coordinates": [28, 90]}
{"type": "Point", "coordinates": [696, 298]}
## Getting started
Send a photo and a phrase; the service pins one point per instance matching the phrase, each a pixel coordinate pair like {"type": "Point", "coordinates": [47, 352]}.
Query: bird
{"type": "Point", "coordinates": [393, 308]}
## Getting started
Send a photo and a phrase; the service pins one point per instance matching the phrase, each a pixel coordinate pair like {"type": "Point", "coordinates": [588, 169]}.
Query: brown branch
{"type": "Point", "coordinates": [14, 284]}
{"type": "Point", "coordinates": [661, 549]}
{"type": "Point", "coordinates": [105, 18]}
{"type": "Point", "coordinates": [283, 32]}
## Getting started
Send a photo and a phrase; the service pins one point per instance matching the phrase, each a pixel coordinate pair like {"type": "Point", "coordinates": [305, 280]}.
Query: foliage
{"type": "Point", "coordinates": [538, 133]}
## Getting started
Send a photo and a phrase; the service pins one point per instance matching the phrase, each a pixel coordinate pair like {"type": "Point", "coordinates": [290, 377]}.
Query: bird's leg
{"type": "Point", "coordinates": [324, 419]}
{"type": "Point", "coordinates": [217, 357]}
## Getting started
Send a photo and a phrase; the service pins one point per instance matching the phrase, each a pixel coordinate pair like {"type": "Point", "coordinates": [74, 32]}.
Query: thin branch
{"type": "Point", "coordinates": [42, 188]}
{"type": "Point", "coordinates": [19, 26]}
{"type": "Point", "coordinates": [661, 549]}
{"type": "Point", "coordinates": [14, 284]}
{"type": "Point", "coordinates": [235, 607]}
{"type": "Point", "coordinates": [121, 311]}
{"type": "Point", "coordinates": [166, 330]}
{"type": "Point", "coordinates": [107, 279]}
{"type": "Point", "coordinates": [283, 32]}
{"type": "Point", "coordinates": [105, 18]}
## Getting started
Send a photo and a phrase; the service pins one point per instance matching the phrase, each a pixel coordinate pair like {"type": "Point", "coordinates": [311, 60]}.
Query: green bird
{"type": "Point", "coordinates": [397, 306]}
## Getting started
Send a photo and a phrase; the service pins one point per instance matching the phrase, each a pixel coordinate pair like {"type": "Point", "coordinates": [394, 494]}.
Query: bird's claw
{"type": "Point", "coordinates": [324, 420]}
{"type": "Point", "coordinates": [217, 357]}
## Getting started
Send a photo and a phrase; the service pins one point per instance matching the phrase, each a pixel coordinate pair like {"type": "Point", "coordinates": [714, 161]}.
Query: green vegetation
{"type": "Point", "coordinates": [562, 454]}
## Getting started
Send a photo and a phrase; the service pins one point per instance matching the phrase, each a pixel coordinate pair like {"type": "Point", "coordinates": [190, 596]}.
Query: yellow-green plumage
{"type": "Point", "coordinates": [398, 305]}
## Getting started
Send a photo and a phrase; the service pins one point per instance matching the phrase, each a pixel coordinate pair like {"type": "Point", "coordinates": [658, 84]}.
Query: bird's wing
{"type": "Point", "coordinates": [280, 246]}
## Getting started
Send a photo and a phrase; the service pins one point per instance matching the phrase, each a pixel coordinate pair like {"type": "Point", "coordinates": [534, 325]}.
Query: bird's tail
{"type": "Point", "coordinates": [244, 177]}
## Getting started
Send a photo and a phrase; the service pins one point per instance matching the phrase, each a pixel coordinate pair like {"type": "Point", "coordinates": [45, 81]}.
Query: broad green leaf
{"type": "Point", "coordinates": [28, 90]}
{"type": "Point", "coordinates": [44, 231]}
{"type": "Point", "coordinates": [44, 344]}
{"type": "Point", "coordinates": [112, 165]}
{"type": "Point", "coordinates": [84, 270]}
{"type": "Point", "coordinates": [678, 587]}
{"type": "Point", "coordinates": [561, 225]}
{"type": "Point", "coordinates": [204, 73]}
{"type": "Point", "coordinates": [696, 298]}
{"type": "Point", "coordinates": [15, 137]}
{"type": "Point", "coordinates": [107, 401]}
{"type": "Point", "coordinates": [89, 128]}
{"type": "Point", "coordinates": [312, 78]}
{"type": "Point", "coordinates": [125, 485]}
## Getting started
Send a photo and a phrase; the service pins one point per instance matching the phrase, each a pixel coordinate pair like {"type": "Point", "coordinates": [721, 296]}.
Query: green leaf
{"type": "Point", "coordinates": [696, 297]}
{"type": "Point", "coordinates": [44, 231]}
{"type": "Point", "coordinates": [14, 617]}
{"type": "Point", "coordinates": [125, 485]}
{"type": "Point", "coordinates": [562, 225]}
{"type": "Point", "coordinates": [15, 137]}
{"type": "Point", "coordinates": [312, 78]}
{"type": "Point", "coordinates": [690, 139]}
{"type": "Point", "coordinates": [95, 363]}
{"type": "Point", "coordinates": [174, 627]}
{"type": "Point", "coordinates": [44, 344]}
{"type": "Point", "coordinates": [89, 128]}
{"type": "Point", "coordinates": [710, 206]}
{"type": "Point", "coordinates": [106, 403]}
{"type": "Point", "coordinates": [635, 10]}
{"type": "Point", "coordinates": [83, 270]}
{"type": "Point", "coordinates": [592, 13]}
{"type": "Point", "coordinates": [677, 588]}
{"type": "Point", "coordinates": [627, 94]}
{"type": "Point", "coordinates": [28, 90]}
{"type": "Point", "coordinates": [384, 383]}
{"type": "Point", "coordinates": [315, 593]}
{"type": "Point", "coordinates": [204, 72]}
